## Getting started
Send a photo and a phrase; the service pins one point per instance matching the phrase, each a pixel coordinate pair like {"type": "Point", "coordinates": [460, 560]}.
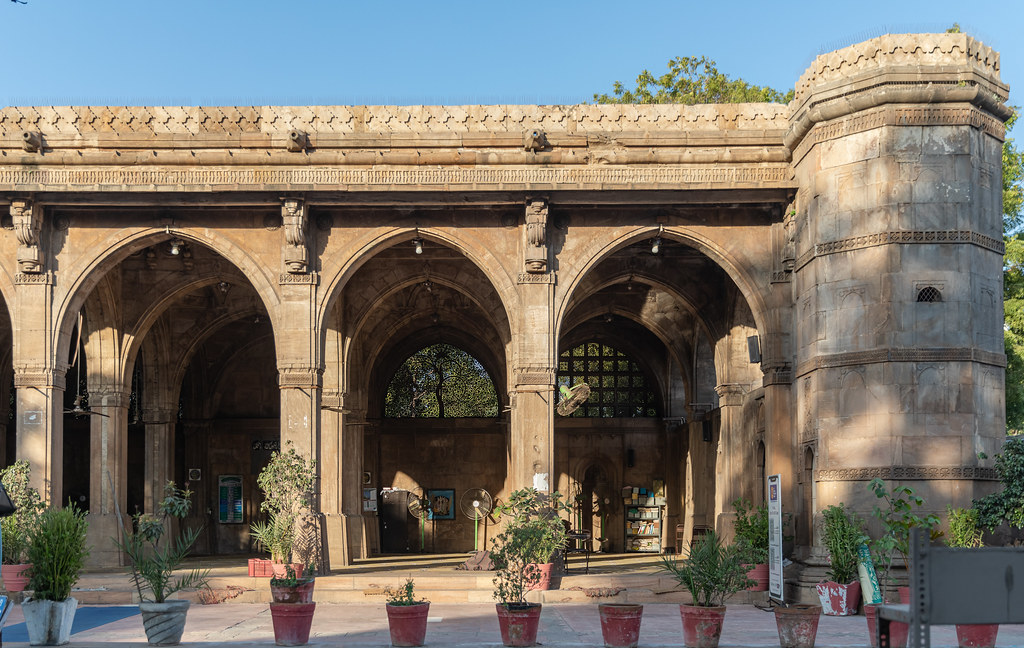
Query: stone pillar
{"type": "Point", "coordinates": [781, 453]}
{"type": "Point", "coordinates": [731, 469]}
{"type": "Point", "coordinates": [108, 449]}
{"type": "Point", "coordinates": [159, 454]}
{"type": "Point", "coordinates": [899, 347]}
{"type": "Point", "coordinates": [40, 427]}
{"type": "Point", "coordinates": [341, 443]}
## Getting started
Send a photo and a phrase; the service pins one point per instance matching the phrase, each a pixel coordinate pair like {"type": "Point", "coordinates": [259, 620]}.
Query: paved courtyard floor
{"type": "Point", "coordinates": [451, 624]}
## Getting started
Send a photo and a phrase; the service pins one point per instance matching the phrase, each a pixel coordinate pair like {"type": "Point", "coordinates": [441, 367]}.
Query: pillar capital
{"type": "Point", "coordinates": [39, 376]}
{"type": "Point", "coordinates": [299, 376]}
{"type": "Point", "coordinates": [730, 394]}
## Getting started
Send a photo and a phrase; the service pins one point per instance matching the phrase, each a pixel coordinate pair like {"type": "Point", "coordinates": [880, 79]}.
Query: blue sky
{"type": "Point", "coordinates": [229, 52]}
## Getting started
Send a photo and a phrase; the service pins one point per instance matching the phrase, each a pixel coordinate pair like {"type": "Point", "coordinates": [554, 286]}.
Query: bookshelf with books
{"type": "Point", "coordinates": [643, 508]}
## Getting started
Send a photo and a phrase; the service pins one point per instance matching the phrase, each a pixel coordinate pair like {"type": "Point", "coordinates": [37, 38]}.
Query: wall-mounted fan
{"type": "Point", "coordinates": [572, 398]}
{"type": "Point", "coordinates": [77, 408]}
{"type": "Point", "coordinates": [475, 504]}
{"type": "Point", "coordinates": [419, 507]}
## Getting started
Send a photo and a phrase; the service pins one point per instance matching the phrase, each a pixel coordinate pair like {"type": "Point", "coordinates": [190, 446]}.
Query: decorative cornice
{"type": "Point", "coordinates": [876, 356]}
{"type": "Point", "coordinates": [292, 377]}
{"type": "Point", "coordinates": [907, 473]}
{"type": "Point", "coordinates": [266, 178]}
{"type": "Point", "coordinates": [898, 237]}
{"type": "Point", "coordinates": [543, 278]}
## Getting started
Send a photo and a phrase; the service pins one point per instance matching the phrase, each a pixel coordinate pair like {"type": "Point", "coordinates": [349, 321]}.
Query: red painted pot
{"type": "Point", "coordinates": [758, 573]}
{"type": "Point", "coordinates": [898, 631]}
{"type": "Point", "coordinates": [541, 576]}
{"type": "Point", "coordinates": [518, 623]}
{"type": "Point", "coordinates": [299, 594]}
{"type": "Point", "coordinates": [797, 625]}
{"type": "Point", "coordinates": [837, 599]}
{"type": "Point", "coordinates": [702, 626]}
{"type": "Point", "coordinates": [620, 624]}
{"type": "Point", "coordinates": [976, 635]}
{"type": "Point", "coordinates": [292, 622]}
{"type": "Point", "coordinates": [14, 577]}
{"type": "Point", "coordinates": [408, 624]}
{"type": "Point", "coordinates": [280, 570]}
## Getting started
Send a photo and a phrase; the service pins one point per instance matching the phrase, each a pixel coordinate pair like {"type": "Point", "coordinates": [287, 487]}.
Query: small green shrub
{"type": "Point", "coordinates": [14, 529]}
{"type": "Point", "coordinates": [403, 595]}
{"type": "Point", "coordinates": [751, 531]}
{"type": "Point", "coordinates": [532, 535]}
{"type": "Point", "coordinates": [963, 528]}
{"type": "Point", "coordinates": [844, 532]}
{"type": "Point", "coordinates": [1008, 504]}
{"type": "Point", "coordinates": [57, 551]}
{"type": "Point", "coordinates": [711, 572]}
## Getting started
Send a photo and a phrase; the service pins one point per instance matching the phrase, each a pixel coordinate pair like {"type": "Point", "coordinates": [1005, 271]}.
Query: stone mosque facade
{"type": "Point", "coordinates": [811, 290]}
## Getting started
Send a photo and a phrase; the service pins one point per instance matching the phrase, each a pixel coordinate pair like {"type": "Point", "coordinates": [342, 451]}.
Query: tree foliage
{"type": "Point", "coordinates": [1013, 280]}
{"type": "Point", "coordinates": [1008, 504]}
{"type": "Point", "coordinates": [440, 381]}
{"type": "Point", "coordinates": [691, 80]}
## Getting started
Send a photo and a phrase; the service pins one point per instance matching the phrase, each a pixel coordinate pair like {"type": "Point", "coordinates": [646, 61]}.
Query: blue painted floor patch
{"type": "Point", "coordinates": [86, 618]}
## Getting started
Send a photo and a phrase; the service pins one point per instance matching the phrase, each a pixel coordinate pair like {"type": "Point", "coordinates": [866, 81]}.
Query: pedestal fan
{"type": "Point", "coordinates": [419, 507]}
{"type": "Point", "coordinates": [572, 398]}
{"type": "Point", "coordinates": [475, 504]}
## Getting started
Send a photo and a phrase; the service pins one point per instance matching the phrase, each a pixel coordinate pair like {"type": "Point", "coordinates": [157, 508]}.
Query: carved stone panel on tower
{"type": "Point", "coordinates": [295, 251]}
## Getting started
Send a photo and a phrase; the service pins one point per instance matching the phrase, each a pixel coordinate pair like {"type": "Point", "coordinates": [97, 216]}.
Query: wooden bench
{"type": "Point", "coordinates": [950, 586]}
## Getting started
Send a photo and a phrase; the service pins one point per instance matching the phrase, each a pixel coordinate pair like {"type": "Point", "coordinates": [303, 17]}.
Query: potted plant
{"type": "Point", "coordinates": [287, 484]}
{"type": "Point", "coordinates": [152, 564]}
{"type": "Point", "coordinates": [533, 533]}
{"type": "Point", "coordinates": [292, 607]}
{"type": "Point", "coordinates": [964, 533]}
{"type": "Point", "coordinates": [900, 514]}
{"type": "Point", "coordinates": [751, 529]}
{"type": "Point", "coordinates": [407, 616]}
{"type": "Point", "coordinates": [843, 533]}
{"type": "Point", "coordinates": [711, 572]}
{"type": "Point", "coordinates": [57, 552]}
{"type": "Point", "coordinates": [14, 529]}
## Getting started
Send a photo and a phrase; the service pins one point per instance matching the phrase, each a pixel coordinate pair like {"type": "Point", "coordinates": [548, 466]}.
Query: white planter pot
{"type": "Point", "coordinates": [49, 622]}
{"type": "Point", "coordinates": [164, 622]}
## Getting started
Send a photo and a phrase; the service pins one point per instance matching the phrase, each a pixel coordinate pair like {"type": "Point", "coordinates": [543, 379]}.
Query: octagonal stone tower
{"type": "Point", "coordinates": [897, 274]}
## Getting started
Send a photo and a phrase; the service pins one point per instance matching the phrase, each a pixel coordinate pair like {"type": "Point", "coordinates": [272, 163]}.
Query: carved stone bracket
{"type": "Point", "coordinates": [295, 251]}
{"type": "Point", "coordinates": [332, 399]}
{"type": "Point", "coordinates": [777, 374]}
{"type": "Point", "coordinates": [534, 375]}
{"type": "Point", "coordinates": [730, 394]}
{"type": "Point", "coordinates": [309, 279]}
{"type": "Point", "coordinates": [536, 257]}
{"type": "Point", "coordinates": [38, 376]}
{"type": "Point", "coordinates": [908, 473]}
{"type": "Point", "coordinates": [27, 216]}
{"type": "Point", "coordinates": [294, 376]}
{"type": "Point", "coordinates": [45, 278]}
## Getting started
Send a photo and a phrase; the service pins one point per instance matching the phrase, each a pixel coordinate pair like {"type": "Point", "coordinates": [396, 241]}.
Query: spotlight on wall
{"type": "Point", "coordinates": [656, 244]}
{"type": "Point", "coordinates": [176, 245]}
{"type": "Point", "coordinates": [418, 244]}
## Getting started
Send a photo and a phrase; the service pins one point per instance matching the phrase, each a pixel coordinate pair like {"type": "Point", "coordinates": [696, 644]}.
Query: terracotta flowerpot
{"type": "Point", "coordinates": [14, 577]}
{"type": "Point", "coordinates": [976, 635]}
{"type": "Point", "coordinates": [758, 573]}
{"type": "Point", "coordinates": [702, 626]}
{"type": "Point", "coordinates": [292, 622]}
{"type": "Point", "coordinates": [898, 631]}
{"type": "Point", "coordinates": [408, 623]}
{"type": "Point", "coordinates": [837, 599]}
{"type": "Point", "coordinates": [280, 570]}
{"type": "Point", "coordinates": [797, 625]}
{"type": "Point", "coordinates": [299, 594]}
{"type": "Point", "coordinates": [518, 623]}
{"type": "Point", "coordinates": [620, 624]}
{"type": "Point", "coordinates": [542, 579]}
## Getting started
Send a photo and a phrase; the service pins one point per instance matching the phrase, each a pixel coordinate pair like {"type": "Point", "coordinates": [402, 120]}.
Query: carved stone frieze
{"type": "Point", "coordinates": [897, 237]}
{"type": "Point", "coordinates": [27, 217]}
{"type": "Point", "coordinates": [543, 278]}
{"type": "Point", "coordinates": [308, 279]}
{"type": "Point", "coordinates": [907, 473]}
{"type": "Point", "coordinates": [876, 356]}
{"type": "Point", "coordinates": [36, 376]}
{"type": "Point", "coordinates": [534, 375]}
{"type": "Point", "coordinates": [43, 278]}
{"type": "Point", "coordinates": [293, 376]}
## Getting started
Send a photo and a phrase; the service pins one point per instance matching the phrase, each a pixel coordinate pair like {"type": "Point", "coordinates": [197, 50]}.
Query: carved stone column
{"type": "Point", "coordinates": [731, 468]}
{"type": "Point", "coordinates": [108, 450]}
{"type": "Point", "coordinates": [40, 426]}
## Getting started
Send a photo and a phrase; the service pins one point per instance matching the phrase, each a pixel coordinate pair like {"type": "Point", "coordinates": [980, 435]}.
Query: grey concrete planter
{"type": "Point", "coordinates": [49, 622]}
{"type": "Point", "coordinates": [164, 622]}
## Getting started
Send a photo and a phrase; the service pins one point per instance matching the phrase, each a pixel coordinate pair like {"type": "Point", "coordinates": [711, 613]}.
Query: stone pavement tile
{"type": "Point", "coordinates": [455, 625]}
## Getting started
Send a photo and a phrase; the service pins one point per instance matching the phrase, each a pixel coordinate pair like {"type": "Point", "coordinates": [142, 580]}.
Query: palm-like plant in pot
{"type": "Point", "coordinates": [153, 557]}
{"type": "Point", "coordinates": [14, 529]}
{"type": "Point", "coordinates": [532, 535]}
{"type": "Point", "coordinates": [843, 534]}
{"type": "Point", "coordinates": [57, 551]}
{"type": "Point", "coordinates": [712, 571]}
{"type": "Point", "coordinates": [287, 483]}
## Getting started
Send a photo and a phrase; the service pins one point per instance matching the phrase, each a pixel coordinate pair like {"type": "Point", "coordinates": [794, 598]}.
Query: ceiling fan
{"type": "Point", "coordinates": [77, 410]}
